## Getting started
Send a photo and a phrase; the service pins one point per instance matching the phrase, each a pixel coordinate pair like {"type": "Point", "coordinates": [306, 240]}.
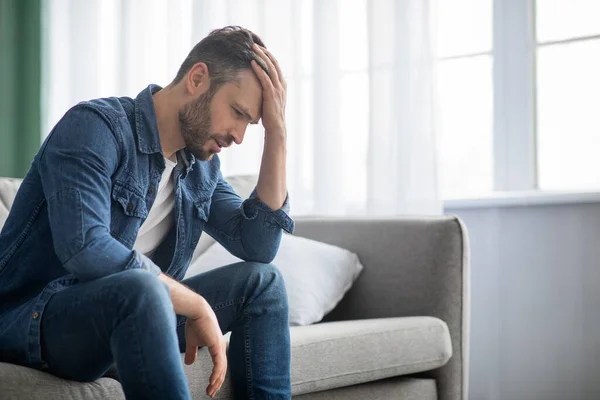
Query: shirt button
{"type": "Point", "coordinates": [35, 315]}
{"type": "Point", "coordinates": [129, 207]}
{"type": "Point", "coordinates": [151, 191]}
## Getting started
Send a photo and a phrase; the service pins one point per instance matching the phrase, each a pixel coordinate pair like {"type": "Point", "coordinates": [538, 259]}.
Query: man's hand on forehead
{"type": "Point", "coordinates": [274, 91]}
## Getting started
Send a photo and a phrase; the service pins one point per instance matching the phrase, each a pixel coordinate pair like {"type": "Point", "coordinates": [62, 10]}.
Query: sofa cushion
{"type": "Point", "coordinates": [343, 353]}
{"type": "Point", "coordinates": [324, 356]}
{"type": "Point", "coordinates": [21, 383]}
{"type": "Point", "coordinates": [8, 190]}
{"type": "Point", "coordinates": [337, 354]}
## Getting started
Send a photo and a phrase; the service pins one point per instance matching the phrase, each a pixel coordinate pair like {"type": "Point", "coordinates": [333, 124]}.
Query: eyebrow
{"type": "Point", "coordinates": [245, 111]}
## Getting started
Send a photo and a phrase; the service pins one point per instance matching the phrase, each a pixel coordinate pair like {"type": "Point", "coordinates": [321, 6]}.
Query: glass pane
{"type": "Point", "coordinates": [353, 35]}
{"type": "Point", "coordinates": [563, 19]}
{"type": "Point", "coordinates": [465, 138]}
{"type": "Point", "coordinates": [463, 27]}
{"type": "Point", "coordinates": [568, 98]}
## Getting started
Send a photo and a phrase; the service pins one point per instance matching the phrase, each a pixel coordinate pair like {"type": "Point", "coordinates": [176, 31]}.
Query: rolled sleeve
{"type": "Point", "coordinates": [254, 205]}
{"type": "Point", "coordinates": [249, 229]}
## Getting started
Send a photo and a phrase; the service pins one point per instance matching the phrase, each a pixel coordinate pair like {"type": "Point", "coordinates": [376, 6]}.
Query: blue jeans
{"type": "Point", "coordinates": [127, 318]}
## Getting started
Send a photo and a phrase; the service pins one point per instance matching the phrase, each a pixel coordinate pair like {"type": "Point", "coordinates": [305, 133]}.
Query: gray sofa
{"type": "Point", "coordinates": [401, 332]}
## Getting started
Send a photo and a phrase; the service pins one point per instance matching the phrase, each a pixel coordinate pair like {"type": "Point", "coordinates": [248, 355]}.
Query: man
{"type": "Point", "coordinates": [105, 223]}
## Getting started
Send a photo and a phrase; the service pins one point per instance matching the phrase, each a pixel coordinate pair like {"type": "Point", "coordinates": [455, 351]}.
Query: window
{"type": "Point", "coordinates": [568, 94]}
{"type": "Point", "coordinates": [519, 95]}
{"type": "Point", "coordinates": [465, 86]}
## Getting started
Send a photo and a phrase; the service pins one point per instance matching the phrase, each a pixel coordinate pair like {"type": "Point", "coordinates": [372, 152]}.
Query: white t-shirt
{"type": "Point", "coordinates": [160, 218]}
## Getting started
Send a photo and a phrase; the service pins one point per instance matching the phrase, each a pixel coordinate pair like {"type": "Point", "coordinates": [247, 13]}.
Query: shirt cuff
{"type": "Point", "coordinates": [279, 217]}
{"type": "Point", "coordinates": [142, 262]}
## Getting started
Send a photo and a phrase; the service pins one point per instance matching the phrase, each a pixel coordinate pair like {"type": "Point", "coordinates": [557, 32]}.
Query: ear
{"type": "Point", "coordinates": [197, 80]}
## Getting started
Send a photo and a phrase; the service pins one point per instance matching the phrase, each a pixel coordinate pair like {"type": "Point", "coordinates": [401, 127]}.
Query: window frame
{"type": "Point", "coordinates": [515, 114]}
{"type": "Point", "coordinates": [514, 54]}
{"type": "Point", "coordinates": [514, 145]}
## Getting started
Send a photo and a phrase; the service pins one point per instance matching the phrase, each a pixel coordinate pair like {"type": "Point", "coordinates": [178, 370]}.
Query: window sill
{"type": "Point", "coordinates": [522, 199]}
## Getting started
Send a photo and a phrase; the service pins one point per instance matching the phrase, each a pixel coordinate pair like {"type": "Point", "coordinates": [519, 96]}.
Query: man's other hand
{"type": "Point", "coordinates": [205, 331]}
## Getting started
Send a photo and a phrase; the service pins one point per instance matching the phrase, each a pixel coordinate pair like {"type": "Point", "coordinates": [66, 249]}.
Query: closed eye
{"type": "Point", "coordinates": [241, 112]}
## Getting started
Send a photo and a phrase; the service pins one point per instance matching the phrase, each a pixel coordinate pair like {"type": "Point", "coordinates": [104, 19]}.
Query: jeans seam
{"type": "Point", "coordinates": [228, 303]}
{"type": "Point", "coordinates": [137, 351]}
{"type": "Point", "coordinates": [248, 354]}
{"type": "Point", "coordinates": [247, 340]}
{"type": "Point", "coordinates": [138, 354]}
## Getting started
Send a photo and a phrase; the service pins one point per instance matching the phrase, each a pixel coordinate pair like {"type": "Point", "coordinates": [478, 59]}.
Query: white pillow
{"type": "Point", "coordinates": [317, 275]}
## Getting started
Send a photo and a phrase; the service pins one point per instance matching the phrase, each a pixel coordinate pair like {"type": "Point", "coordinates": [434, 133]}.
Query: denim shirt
{"type": "Point", "coordinates": [77, 213]}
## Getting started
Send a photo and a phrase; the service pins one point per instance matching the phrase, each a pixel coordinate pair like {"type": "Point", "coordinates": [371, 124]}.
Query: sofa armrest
{"type": "Point", "coordinates": [413, 267]}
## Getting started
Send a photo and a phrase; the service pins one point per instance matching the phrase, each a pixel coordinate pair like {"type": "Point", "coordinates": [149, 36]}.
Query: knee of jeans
{"type": "Point", "coordinates": [269, 278]}
{"type": "Point", "coordinates": [142, 286]}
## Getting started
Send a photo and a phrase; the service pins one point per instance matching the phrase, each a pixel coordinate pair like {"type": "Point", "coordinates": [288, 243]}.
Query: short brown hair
{"type": "Point", "coordinates": [225, 52]}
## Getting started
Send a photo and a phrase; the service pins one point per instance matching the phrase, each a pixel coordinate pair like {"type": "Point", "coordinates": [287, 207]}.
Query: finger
{"type": "Point", "coordinates": [272, 70]}
{"type": "Point", "coordinates": [190, 354]}
{"type": "Point", "coordinates": [221, 382]}
{"type": "Point", "coordinates": [212, 390]}
{"type": "Point", "coordinates": [217, 378]}
{"type": "Point", "coordinates": [218, 368]}
{"type": "Point", "coordinates": [217, 375]}
{"type": "Point", "coordinates": [217, 372]}
{"type": "Point", "coordinates": [221, 378]}
{"type": "Point", "coordinates": [276, 63]}
{"type": "Point", "coordinates": [263, 77]}
{"type": "Point", "coordinates": [260, 51]}
{"type": "Point", "coordinates": [213, 381]}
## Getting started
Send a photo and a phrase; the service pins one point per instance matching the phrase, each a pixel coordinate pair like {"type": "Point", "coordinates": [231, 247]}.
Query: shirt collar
{"type": "Point", "coordinates": [147, 128]}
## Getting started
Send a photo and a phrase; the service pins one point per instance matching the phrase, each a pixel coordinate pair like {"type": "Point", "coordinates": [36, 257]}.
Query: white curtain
{"type": "Point", "coordinates": [361, 94]}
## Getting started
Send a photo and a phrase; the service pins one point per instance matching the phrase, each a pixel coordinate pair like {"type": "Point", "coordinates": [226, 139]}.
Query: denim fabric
{"type": "Point", "coordinates": [128, 318]}
{"type": "Point", "coordinates": [76, 215]}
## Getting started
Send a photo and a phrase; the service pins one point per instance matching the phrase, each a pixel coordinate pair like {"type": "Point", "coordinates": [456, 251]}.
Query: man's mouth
{"type": "Point", "coordinates": [218, 147]}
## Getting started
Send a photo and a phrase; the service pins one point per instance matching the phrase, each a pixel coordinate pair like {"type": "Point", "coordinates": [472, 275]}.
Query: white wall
{"type": "Point", "coordinates": [535, 327]}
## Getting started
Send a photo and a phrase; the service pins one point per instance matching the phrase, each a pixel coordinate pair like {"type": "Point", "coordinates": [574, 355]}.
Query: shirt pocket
{"type": "Point", "coordinates": [128, 212]}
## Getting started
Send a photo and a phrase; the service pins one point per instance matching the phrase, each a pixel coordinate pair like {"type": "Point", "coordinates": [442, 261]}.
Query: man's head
{"type": "Point", "coordinates": [224, 94]}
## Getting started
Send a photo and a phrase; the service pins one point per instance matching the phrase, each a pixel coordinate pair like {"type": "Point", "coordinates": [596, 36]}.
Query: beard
{"type": "Point", "coordinates": [195, 124]}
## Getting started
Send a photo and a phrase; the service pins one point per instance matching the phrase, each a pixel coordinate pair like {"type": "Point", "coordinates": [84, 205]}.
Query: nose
{"type": "Point", "coordinates": [238, 135]}
{"type": "Point", "coordinates": [237, 138]}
